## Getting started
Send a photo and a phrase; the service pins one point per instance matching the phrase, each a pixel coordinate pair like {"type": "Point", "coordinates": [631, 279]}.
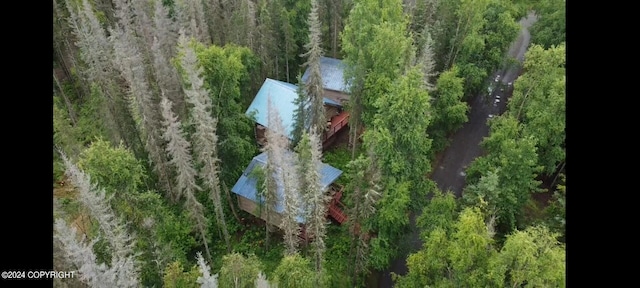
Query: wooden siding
{"type": "Point", "coordinates": [253, 208]}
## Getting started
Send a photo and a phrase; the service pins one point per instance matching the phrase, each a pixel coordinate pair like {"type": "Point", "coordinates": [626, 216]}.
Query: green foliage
{"type": "Point", "coordinates": [176, 277]}
{"type": "Point", "coordinates": [500, 30]}
{"type": "Point", "coordinates": [555, 213]}
{"type": "Point", "coordinates": [239, 271]}
{"type": "Point", "coordinates": [300, 115]}
{"type": "Point", "coordinates": [382, 252]}
{"type": "Point", "coordinates": [337, 265]}
{"type": "Point", "coordinates": [515, 156]}
{"type": "Point", "coordinates": [474, 35]}
{"type": "Point", "coordinates": [426, 266]}
{"type": "Point", "coordinates": [114, 168]}
{"type": "Point", "coordinates": [399, 132]}
{"type": "Point", "coordinates": [65, 135]}
{"type": "Point", "coordinates": [458, 259]}
{"type": "Point", "coordinates": [90, 110]}
{"type": "Point", "coordinates": [294, 272]}
{"type": "Point", "coordinates": [393, 210]}
{"type": "Point", "coordinates": [550, 29]}
{"type": "Point", "coordinates": [376, 47]}
{"type": "Point", "coordinates": [440, 213]}
{"type": "Point", "coordinates": [226, 72]}
{"type": "Point", "coordinates": [539, 103]}
{"type": "Point", "coordinates": [471, 249]}
{"type": "Point", "coordinates": [338, 157]}
{"type": "Point", "coordinates": [532, 257]}
{"type": "Point", "coordinates": [450, 112]}
{"type": "Point", "coordinates": [168, 232]}
{"type": "Point", "coordinates": [297, 13]}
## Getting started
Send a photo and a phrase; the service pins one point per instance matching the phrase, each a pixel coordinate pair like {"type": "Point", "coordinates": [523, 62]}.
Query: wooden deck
{"type": "Point", "coordinates": [335, 206]}
{"type": "Point", "coordinates": [337, 123]}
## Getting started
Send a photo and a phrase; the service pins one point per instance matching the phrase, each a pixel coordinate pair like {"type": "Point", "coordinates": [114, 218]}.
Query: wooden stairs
{"type": "Point", "coordinates": [335, 207]}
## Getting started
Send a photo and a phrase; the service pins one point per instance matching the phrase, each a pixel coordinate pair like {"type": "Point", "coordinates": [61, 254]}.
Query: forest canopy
{"type": "Point", "coordinates": [152, 132]}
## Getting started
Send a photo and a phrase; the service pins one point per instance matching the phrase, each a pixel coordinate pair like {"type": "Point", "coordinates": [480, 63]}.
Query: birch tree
{"type": "Point", "coordinates": [205, 136]}
{"type": "Point", "coordinates": [469, 20]}
{"type": "Point", "coordinates": [239, 271]}
{"type": "Point", "coordinates": [179, 150]}
{"type": "Point", "coordinates": [314, 87]}
{"type": "Point", "coordinates": [532, 256]}
{"type": "Point", "coordinates": [294, 271]}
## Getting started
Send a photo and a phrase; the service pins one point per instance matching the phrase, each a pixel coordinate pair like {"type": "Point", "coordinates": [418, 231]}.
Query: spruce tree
{"type": "Point", "coordinates": [123, 267]}
{"type": "Point", "coordinates": [205, 136]}
{"type": "Point", "coordinates": [179, 150]}
{"type": "Point", "coordinates": [314, 87]}
{"type": "Point", "coordinates": [280, 167]}
{"type": "Point", "coordinates": [315, 200]}
{"type": "Point", "coordinates": [206, 280]}
{"type": "Point", "coordinates": [301, 113]}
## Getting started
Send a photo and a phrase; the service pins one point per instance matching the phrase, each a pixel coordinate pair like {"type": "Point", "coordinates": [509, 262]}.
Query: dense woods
{"type": "Point", "coordinates": [152, 130]}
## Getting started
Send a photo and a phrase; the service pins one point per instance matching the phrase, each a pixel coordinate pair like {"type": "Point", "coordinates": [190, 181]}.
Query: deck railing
{"type": "Point", "coordinates": [343, 120]}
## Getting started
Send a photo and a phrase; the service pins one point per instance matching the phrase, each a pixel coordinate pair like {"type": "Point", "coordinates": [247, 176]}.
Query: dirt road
{"type": "Point", "coordinates": [465, 144]}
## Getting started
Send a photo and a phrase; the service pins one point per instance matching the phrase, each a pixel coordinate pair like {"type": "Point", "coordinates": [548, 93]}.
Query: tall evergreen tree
{"type": "Point", "coordinates": [399, 135]}
{"type": "Point", "coordinates": [165, 29]}
{"type": "Point", "coordinates": [205, 136]}
{"type": "Point", "coordinates": [377, 49]}
{"type": "Point", "coordinates": [426, 60]}
{"type": "Point", "coordinates": [206, 280]}
{"type": "Point", "coordinates": [130, 63]}
{"type": "Point", "coordinates": [366, 192]}
{"type": "Point", "coordinates": [285, 177]}
{"type": "Point", "coordinates": [192, 19]}
{"type": "Point", "coordinates": [123, 257]}
{"type": "Point", "coordinates": [97, 53]}
{"type": "Point", "coordinates": [178, 149]}
{"type": "Point", "coordinates": [315, 200]}
{"type": "Point", "coordinates": [274, 148]}
{"type": "Point", "coordinates": [163, 49]}
{"type": "Point", "coordinates": [301, 113]}
{"type": "Point", "coordinates": [314, 87]}
{"type": "Point", "coordinates": [80, 254]}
